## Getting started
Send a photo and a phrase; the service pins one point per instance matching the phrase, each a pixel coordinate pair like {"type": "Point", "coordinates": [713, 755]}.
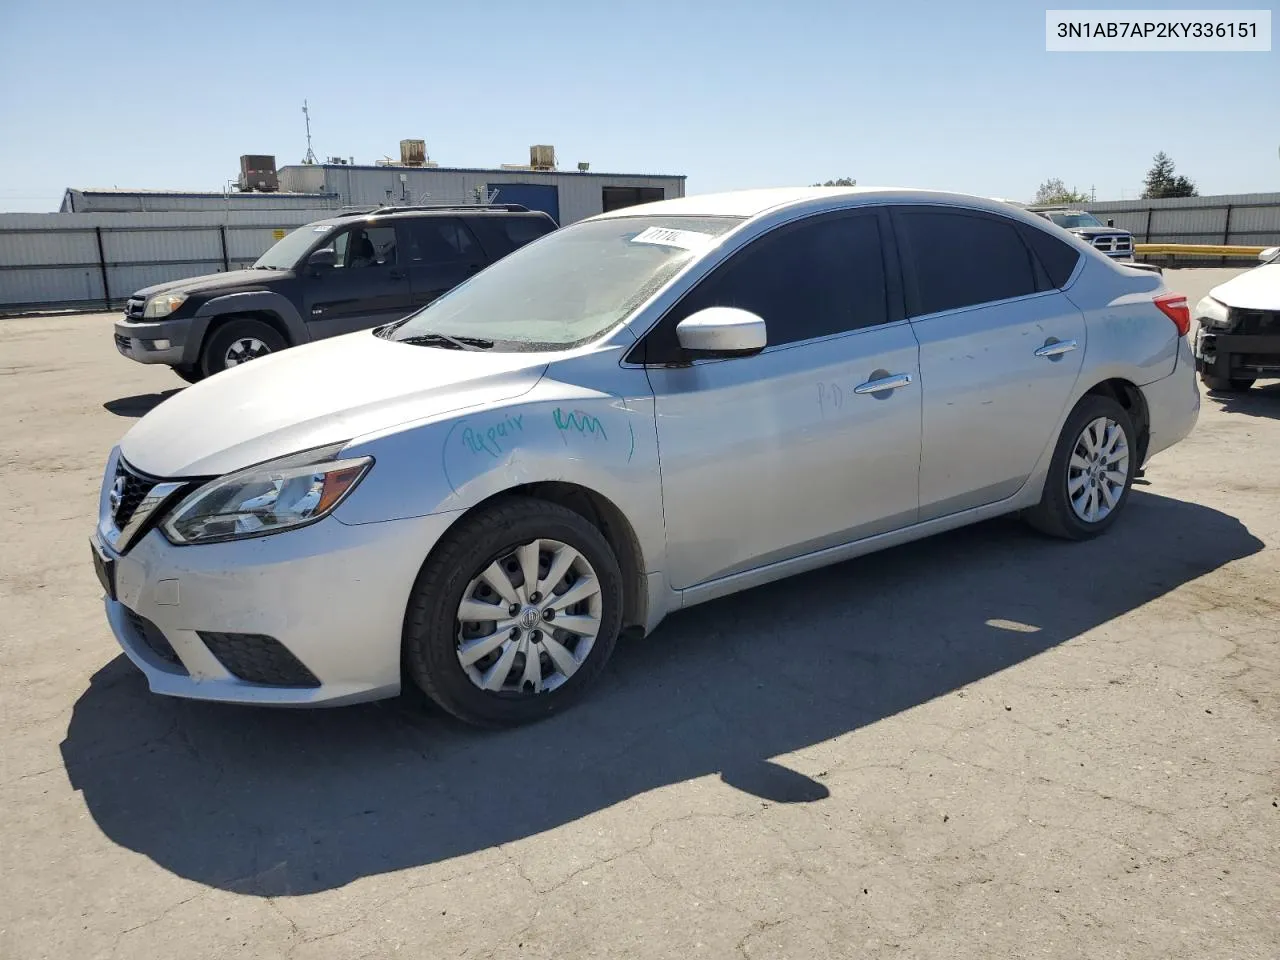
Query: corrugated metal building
{"type": "Point", "coordinates": [1243, 219]}
{"type": "Point", "coordinates": [566, 195]}
{"type": "Point", "coordinates": [113, 200]}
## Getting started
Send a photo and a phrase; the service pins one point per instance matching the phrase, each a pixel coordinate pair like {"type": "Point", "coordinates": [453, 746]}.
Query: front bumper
{"type": "Point", "coordinates": [1237, 356]}
{"type": "Point", "coordinates": [159, 341]}
{"type": "Point", "coordinates": [332, 595]}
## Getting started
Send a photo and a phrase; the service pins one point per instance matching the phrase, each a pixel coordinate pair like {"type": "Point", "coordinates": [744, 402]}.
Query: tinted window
{"type": "Point", "coordinates": [441, 239]}
{"type": "Point", "coordinates": [522, 230]}
{"type": "Point", "coordinates": [961, 259]}
{"type": "Point", "coordinates": [808, 280]}
{"type": "Point", "coordinates": [1059, 259]}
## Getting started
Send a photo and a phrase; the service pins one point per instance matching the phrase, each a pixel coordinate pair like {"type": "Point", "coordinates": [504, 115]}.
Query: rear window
{"type": "Point", "coordinates": [1059, 259]}
{"type": "Point", "coordinates": [522, 230]}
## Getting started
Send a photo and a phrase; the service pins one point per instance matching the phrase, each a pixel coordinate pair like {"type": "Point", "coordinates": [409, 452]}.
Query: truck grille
{"type": "Point", "coordinates": [1255, 322]}
{"type": "Point", "coordinates": [1113, 243]}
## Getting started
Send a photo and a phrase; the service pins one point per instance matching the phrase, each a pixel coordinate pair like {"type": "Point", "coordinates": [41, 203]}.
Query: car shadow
{"type": "Point", "coordinates": [277, 803]}
{"type": "Point", "coordinates": [1262, 400]}
{"type": "Point", "coordinates": [140, 405]}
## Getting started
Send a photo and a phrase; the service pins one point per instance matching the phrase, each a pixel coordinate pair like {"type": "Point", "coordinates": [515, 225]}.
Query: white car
{"type": "Point", "coordinates": [648, 409]}
{"type": "Point", "coordinates": [1237, 338]}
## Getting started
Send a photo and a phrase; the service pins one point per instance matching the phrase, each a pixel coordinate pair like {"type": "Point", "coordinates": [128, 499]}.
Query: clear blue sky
{"type": "Point", "coordinates": [743, 94]}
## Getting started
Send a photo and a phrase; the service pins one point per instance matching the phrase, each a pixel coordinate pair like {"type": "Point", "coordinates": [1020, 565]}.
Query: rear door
{"type": "Point", "coordinates": [1000, 350]}
{"type": "Point", "coordinates": [443, 251]}
{"type": "Point", "coordinates": [366, 286]}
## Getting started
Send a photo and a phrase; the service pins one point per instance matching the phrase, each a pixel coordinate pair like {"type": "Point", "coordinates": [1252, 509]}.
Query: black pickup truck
{"type": "Point", "coordinates": [330, 277]}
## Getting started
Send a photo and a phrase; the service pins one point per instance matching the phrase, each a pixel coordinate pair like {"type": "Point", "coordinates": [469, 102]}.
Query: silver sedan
{"type": "Point", "coordinates": [645, 410]}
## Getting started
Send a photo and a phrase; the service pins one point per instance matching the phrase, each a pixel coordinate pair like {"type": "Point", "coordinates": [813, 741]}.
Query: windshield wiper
{"type": "Point", "coordinates": [449, 343]}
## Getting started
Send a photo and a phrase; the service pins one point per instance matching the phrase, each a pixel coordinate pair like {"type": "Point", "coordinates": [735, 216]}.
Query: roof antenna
{"type": "Point", "coordinates": [310, 158]}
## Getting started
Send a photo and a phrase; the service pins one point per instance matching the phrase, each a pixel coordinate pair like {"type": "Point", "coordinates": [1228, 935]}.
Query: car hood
{"type": "Point", "coordinates": [315, 395]}
{"type": "Point", "coordinates": [1256, 289]}
{"type": "Point", "coordinates": [215, 281]}
{"type": "Point", "coordinates": [1097, 231]}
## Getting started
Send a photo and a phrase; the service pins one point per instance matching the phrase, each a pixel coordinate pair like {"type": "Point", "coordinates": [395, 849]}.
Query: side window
{"type": "Point", "coordinates": [1059, 259]}
{"type": "Point", "coordinates": [443, 239]}
{"type": "Point", "coordinates": [365, 247]}
{"type": "Point", "coordinates": [962, 259]}
{"type": "Point", "coordinates": [522, 230]}
{"type": "Point", "coordinates": [805, 280]}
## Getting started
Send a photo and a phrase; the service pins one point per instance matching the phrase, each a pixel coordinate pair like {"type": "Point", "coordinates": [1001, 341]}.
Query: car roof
{"type": "Point", "coordinates": [413, 214]}
{"type": "Point", "coordinates": [754, 203]}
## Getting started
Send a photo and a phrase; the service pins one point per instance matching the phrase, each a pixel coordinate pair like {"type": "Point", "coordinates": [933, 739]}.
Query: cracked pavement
{"type": "Point", "coordinates": [984, 745]}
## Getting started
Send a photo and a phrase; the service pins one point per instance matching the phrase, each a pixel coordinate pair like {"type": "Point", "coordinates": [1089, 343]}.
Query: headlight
{"type": "Point", "coordinates": [163, 305]}
{"type": "Point", "coordinates": [1213, 313]}
{"type": "Point", "coordinates": [265, 499]}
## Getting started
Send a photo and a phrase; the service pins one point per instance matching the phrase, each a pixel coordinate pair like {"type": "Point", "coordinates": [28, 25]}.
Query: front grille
{"type": "Point", "coordinates": [154, 639]}
{"type": "Point", "coordinates": [1112, 243]}
{"type": "Point", "coordinates": [1255, 322]}
{"type": "Point", "coordinates": [136, 487]}
{"type": "Point", "coordinates": [255, 658]}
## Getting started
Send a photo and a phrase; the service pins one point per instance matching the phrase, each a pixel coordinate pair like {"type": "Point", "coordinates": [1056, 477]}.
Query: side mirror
{"type": "Point", "coordinates": [722, 331]}
{"type": "Point", "coordinates": [1111, 222]}
{"type": "Point", "coordinates": [322, 259]}
{"type": "Point", "coordinates": [1269, 254]}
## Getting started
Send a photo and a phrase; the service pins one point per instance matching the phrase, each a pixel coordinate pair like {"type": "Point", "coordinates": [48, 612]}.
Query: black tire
{"type": "Point", "coordinates": [1226, 384]}
{"type": "Point", "coordinates": [189, 374]}
{"type": "Point", "coordinates": [213, 358]}
{"type": "Point", "coordinates": [1054, 514]}
{"type": "Point", "coordinates": [431, 627]}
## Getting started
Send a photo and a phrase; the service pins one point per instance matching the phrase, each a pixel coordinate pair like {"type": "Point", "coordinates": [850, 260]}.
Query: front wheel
{"type": "Point", "coordinates": [1226, 384]}
{"type": "Point", "coordinates": [237, 342]}
{"type": "Point", "coordinates": [514, 614]}
{"type": "Point", "coordinates": [192, 374]}
{"type": "Point", "coordinates": [1091, 471]}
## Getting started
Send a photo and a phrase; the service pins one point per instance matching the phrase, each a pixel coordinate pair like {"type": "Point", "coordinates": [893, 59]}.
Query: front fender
{"type": "Point", "coordinates": [254, 301]}
{"type": "Point", "coordinates": [557, 432]}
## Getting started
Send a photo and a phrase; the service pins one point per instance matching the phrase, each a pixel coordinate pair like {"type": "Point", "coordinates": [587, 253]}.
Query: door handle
{"type": "Point", "coordinates": [894, 381]}
{"type": "Point", "coordinates": [1056, 349]}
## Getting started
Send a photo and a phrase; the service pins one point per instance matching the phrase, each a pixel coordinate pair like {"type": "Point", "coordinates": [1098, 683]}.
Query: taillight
{"type": "Point", "coordinates": [1174, 306]}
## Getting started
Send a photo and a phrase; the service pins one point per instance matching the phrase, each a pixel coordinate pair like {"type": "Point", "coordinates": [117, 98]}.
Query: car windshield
{"type": "Point", "coordinates": [566, 288]}
{"type": "Point", "coordinates": [287, 251]}
{"type": "Point", "coordinates": [1070, 220]}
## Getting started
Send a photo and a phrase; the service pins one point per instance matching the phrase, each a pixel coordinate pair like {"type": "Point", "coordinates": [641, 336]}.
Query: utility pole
{"type": "Point", "coordinates": [310, 158]}
{"type": "Point", "coordinates": [1093, 194]}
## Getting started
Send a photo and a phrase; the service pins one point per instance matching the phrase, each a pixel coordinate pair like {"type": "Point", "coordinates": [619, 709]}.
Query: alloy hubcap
{"type": "Point", "coordinates": [244, 350]}
{"type": "Point", "coordinates": [528, 621]}
{"type": "Point", "coordinates": [1098, 470]}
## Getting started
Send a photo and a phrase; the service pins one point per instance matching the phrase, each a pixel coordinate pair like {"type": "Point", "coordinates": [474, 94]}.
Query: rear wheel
{"type": "Point", "coordinates": [237, 342]}
{"type": "Point", "coordinates": [1091, 471]}
{"type": "Point", "coordinates": [514, 614]}
{"type": "Point", "coordinates": [1226, 384]}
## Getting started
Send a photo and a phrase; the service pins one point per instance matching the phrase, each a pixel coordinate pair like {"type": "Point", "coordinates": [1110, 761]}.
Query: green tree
{"type": "Point", "coordinates": [1162, 182]}
{"type": "Point", "coordinates": [842, 182]}
{"type": "Point", "coordinates": [1054, 192]}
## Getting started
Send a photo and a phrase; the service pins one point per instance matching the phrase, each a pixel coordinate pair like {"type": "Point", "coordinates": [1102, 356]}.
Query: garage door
{"type": "Point", "coordinates": [535, 196]}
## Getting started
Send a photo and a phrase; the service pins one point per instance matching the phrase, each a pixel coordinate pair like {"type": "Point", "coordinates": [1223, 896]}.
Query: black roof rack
{"type": "Point", "coordinates": [508, 207]}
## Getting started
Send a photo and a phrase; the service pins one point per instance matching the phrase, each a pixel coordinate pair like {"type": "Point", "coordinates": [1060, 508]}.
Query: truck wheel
{"type": "Point", "coordinates": [1226, 384]}
{"type": "Point", "coordinates": [238, 342]}
{"type": "Point", "coordinates": [190, 374]}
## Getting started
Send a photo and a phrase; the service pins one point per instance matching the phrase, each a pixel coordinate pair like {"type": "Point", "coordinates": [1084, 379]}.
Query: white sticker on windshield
{"type": "Point", "coordinates": [666, 237]}
{"type": "Point", "coordinates": [323, 228]}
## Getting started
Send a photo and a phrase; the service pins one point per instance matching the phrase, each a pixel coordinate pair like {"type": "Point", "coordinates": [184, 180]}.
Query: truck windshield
{"type": "Point", "coordinates": [287, 251]}
{"type": "Point", "coordinates": [567, 288]}
{"type": "Point", "coordinates": [1070, 220]}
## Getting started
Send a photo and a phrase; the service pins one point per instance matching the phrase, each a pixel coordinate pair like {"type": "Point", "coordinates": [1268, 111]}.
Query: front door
{"type": "Point", "coordinates": [771, 456]}
{"type": "Point", "coordinates": [1000, 351]}
{"type": "Point", "coordinates": [366, 286]}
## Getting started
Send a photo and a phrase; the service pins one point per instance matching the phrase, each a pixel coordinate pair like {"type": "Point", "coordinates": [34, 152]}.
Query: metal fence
{"type": "Point", "coordinates": [96, 261]}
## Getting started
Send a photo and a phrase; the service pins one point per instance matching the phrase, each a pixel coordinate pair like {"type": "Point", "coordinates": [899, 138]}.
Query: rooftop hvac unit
{"type": "Point", "coordinates": [542, 157]}
{"type": "Point", "coordinates": [258, 172]}
{"type": "Point", "coordinates": [413, 153]}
